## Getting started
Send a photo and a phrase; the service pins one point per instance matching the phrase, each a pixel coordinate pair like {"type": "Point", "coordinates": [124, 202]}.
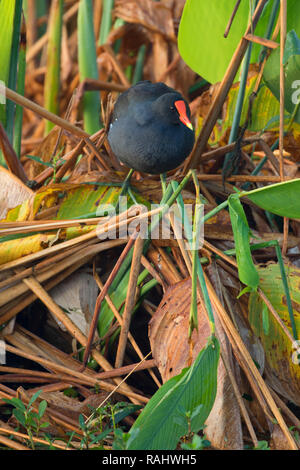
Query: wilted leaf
{"type": "Point", "coordinates": [12, 192]}
{"type": "Point", "coordinates": [155, 16]}
{"type": "Point", "coordinates": [172, 351]}
{"type": "Point", "coordinates": [291, 72]}
{"type": "Point", "coordinates": [77, 296]}
{"type": "Point", "coordinates": [282, 365]}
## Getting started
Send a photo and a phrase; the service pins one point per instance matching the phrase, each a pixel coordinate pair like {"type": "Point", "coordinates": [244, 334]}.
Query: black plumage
{"type": "Point", "coordinates": [150, 130]}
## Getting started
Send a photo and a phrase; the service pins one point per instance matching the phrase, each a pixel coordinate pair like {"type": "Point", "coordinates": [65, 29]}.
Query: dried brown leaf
{"type": "Point", "coordinates": [154, 16]}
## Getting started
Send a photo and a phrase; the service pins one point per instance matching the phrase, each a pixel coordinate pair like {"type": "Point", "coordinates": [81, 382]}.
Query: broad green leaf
{"type": "Point", "coordinates": [201, 39]}
{"type": "Point", "coordinates": [281, 198]}
{"type": "Point", "coordinates": [291, 71]}
{"type": "Point", "coordinates": [283, 364]}
{"type": "Point", "coordinates": [241, 232]}
{"type": "Point", "coordinates": [164, 419]}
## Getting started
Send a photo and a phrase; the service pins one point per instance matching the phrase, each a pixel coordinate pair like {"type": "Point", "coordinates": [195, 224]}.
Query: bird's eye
{"type": "Point", "coordinates": [172, 108]}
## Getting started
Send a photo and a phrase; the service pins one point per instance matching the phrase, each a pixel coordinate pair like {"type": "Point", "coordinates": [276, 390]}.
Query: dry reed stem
{"type": "Point", "coordinates": [239, 399]}
{"type": "Point", "coordinates": [93, 381]}
{"type": "Point", "coordinates": [130, 300]}
{"type": "Point", "coordinates": [39, 110]}
{"type": "Point", "coordinates": [250, 366]}
{"type": "Point", "coordinates": [12, 444]}
{"type": "Point", "coordinates": [62, 317]}
{"type": "Point", "coordinates": [232, 18]}
{"type": "Point", "coordinates": [12, 292]}
{"type": "Point", "coordinates": [222, 151]}
{"type": "Point", "coordinates": [108, 396]}
{"type": "Point", "coordinates": [35, 439]}
{"type": "Point", "coordinates": [102, 295]}
{"type": "Point", "coordinates": [12, 308]}
{"type": "Point", "coordinates": [120, 320]}
{"type": "Point", "coordinates": [263, 41]}
{"type": "Point", "coordinates": [222, 92]}
{"type": "Point", "coordinates": [83, 238]}
{"type": "Point", "coordinates": [275, 315]}
{"type": "Point", "coordinates": [40, 43]}
{"type": "Point", "coordinates": [119, 70]}
{"type": "Point", "coordinates": [285, 409]}
{"type": "Point", "coordinates": [10, 156]}
{"type": "Point", "coordinates": [241, 178]}
{"type": "Point", "coordinates": [283, 14]}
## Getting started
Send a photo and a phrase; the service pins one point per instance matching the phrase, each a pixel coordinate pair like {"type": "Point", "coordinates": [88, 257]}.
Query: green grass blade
{"type": "Point", "coordinates": [229, 158]}
{"type": "Point", "coordinates": [13, 69]}
{"type": "Point", "coordinates": [52, 78]}
{"type": "Point", "coordinates": [138, 71]}
{"type": "Point", "coordinates": [106, 20]}
{"type": "Point", "coordinates": [286, 290]}
{"type": "Point", "coordinates": [189, 235]}
{"type": "Point", "coordinates": [20, 90]}
{"type": "Point", "coordinates": [7, 11]}
{"type": "Point", "coordinates": [87, 60]}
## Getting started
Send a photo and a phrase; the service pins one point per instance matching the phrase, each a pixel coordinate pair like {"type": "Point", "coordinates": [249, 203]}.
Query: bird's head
{"type": "Point", "coordinates": [174, 109]}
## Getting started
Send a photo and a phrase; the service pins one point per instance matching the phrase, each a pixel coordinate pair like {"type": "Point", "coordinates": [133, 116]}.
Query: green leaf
{"type": "Point", "coordinates": [241, 232]}
{"type": "Point", "coordinates": [81, 420]}
{"type": "Point", "coordinates": [283, 370]}
{"type": "Point", "coordinates": [281, 198]}
{"type": "Point", "coordinates": [7, 10]}
{"type": "Point", "coordinates": [34, 397]}
{"type": "Point", "coordinates": [44, 425]}
{"type": "Point", "coordinates": [42, 408]}
{"type": "Point", "coordinates": [52, 77]}
{"type": "Point", "coordinates": [87, 60]}
{"type": "Point", "coordinates": [265, 319]}
{"type": "Point", "coordinates": [157, 427]}
{"type": "Point", "coordinates": [130, 408]}
{"type": "Point", "coordinates": [201, 39]}
{"type": "Point", "coordinates": [15, 402]}
{"type": "Point", "coordinates": [291, 62]}
{"type": "Point", "coordinates": [19, 415]}
{"type": "Point", "coordinates": [106, 20]}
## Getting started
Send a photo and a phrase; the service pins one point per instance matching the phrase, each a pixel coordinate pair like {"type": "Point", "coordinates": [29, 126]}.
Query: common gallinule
{"type": "Point", "coordinates": [150, 130]}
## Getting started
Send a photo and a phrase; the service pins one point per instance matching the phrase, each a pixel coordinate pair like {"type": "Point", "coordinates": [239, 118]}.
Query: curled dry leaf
{"type": "Point", "coordinates": [173, 351]}
{"type": "Point", "coordinates": [45, 152]}
{"type": "Point", "coordinates": [282, 362]}
{"type": "Point", "coordinates": [12, 192]}
{"type": "Point", "coordinates": [154, 16]}
{"type": "Point", "coordinates": [77, 296]}
{"type": "Point", "coordinates": [168, 331]}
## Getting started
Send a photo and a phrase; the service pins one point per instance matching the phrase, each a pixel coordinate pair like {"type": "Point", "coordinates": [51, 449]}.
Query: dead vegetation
{"type": "Point", "coordinates": [57, 275]}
